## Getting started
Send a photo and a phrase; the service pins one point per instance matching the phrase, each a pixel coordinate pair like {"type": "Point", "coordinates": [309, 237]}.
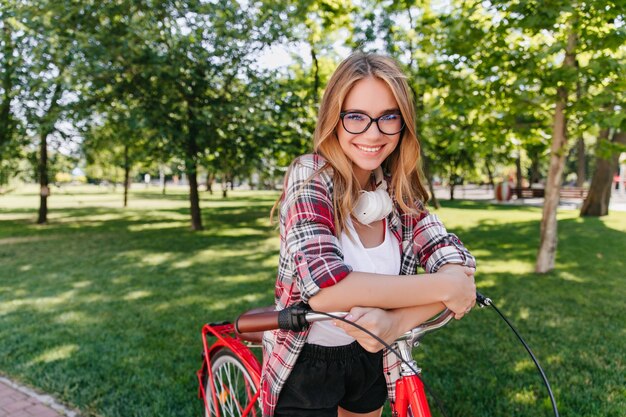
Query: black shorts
{"type": "Point", "coordinates": [326, 377]}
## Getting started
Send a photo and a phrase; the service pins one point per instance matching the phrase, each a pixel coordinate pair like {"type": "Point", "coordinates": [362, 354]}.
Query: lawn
{"type": "Point", "coordinates": [103, 307]}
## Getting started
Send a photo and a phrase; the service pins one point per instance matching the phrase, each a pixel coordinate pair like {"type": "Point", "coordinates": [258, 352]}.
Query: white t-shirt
{"type": "Point", "coordinates": [381, 259]}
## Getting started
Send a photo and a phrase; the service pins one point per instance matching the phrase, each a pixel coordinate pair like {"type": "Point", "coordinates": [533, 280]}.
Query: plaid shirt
{"type": "Point", "coordinates": [311, 259]}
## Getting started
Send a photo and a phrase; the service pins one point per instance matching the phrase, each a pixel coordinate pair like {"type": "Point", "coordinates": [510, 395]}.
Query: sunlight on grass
{"type": "Point", "coordinates": [525, 396]}
{"type": "Point", "coordinates": [485, 283]}
{"type": "Point", "coordinates": [248, 298]}
{"type": "Point", "coordinates": [39, 303]}
{"type": "Point", "coordinates": [520, 267]}
{"type": "Point", "coordinates": [55, 354]}
{"type": "Point", "coordinates": [157, 226]}
{"type": "Point", "coordinates": [73, 317]}
{"type": "Point", "coordinates": [239, 232]}
{"type": "Point", "coordinates": [569, 276]}
{"type": "Point", "coordinates": [524, 313]}
{"type": "Point", "coordinates": [524, 365]}
{"type": "Point", "coordinates": [136, 295]}
{"type": "Point", "coordinates": [555, 360]}
{"type": "Point", "coordinates": [142, 257]}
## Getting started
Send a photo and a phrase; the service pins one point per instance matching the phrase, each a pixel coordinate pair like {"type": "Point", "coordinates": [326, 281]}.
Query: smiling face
{"type": "Point", "coordinates": [369, 149]}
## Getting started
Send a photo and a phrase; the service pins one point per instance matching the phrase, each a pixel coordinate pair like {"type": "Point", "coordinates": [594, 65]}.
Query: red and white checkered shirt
{"type": "Point", "coordinates": [311, 259]}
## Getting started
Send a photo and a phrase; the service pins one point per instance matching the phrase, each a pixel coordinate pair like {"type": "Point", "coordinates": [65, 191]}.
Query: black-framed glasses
{"type": "Point", "coordinates": [357, 122]}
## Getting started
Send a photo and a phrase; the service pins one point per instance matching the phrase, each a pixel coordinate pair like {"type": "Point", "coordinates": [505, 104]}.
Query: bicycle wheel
{"type": "Point", "coordinates": [234, 388]}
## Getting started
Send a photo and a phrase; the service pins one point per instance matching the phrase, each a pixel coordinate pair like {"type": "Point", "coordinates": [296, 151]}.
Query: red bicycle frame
{"type": "Point", "coordinates": [410, 395]}
{"type": "Point", "coordinates": [226, 338]}
{"type": "Point", "coordinates": [410, 391]}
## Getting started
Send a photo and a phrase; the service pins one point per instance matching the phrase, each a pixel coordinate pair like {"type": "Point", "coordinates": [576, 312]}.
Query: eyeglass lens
{"type": "Point", "coordinates": [356, 123]}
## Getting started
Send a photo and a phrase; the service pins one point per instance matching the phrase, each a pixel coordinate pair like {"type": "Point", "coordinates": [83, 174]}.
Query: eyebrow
{"type": "Point", "coordinates": [387, 111]}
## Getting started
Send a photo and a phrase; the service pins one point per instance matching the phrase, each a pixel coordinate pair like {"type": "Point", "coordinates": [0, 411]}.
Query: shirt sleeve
{"type": "Point", "coordinates": [436, 247]}
{"type": "Point", "coordinates": [309, 231]}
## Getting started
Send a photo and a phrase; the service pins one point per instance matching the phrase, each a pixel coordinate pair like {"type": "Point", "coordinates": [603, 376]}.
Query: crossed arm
{"type": "Point", "coordinates": [389, 306]}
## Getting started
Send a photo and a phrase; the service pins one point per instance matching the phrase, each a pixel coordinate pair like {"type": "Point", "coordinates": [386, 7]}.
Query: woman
{"type": "Point", "coordinates": [353, 232]}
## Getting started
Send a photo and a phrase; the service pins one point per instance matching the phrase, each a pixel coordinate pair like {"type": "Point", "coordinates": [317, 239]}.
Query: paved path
{"type": "Point", "coordinates": [474, 192]}
{"type": "Point", "coordinates": [20, 401]}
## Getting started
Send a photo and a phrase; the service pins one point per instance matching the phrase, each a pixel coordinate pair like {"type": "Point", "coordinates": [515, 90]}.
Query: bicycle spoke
{"type": "Point", "coordinates": [234, 390]}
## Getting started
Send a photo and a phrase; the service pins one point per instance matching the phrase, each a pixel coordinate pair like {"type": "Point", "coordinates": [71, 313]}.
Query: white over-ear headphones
{"type": "Point", "coordinates": [373, 205]}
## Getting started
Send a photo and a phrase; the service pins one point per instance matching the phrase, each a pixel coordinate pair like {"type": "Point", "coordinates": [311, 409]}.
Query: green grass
{"type": "Point", "coordinates": [103, 307]}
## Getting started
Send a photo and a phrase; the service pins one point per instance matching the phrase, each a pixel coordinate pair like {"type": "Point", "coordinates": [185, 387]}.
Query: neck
{"type": "Point", "coordinates": [363, 177]}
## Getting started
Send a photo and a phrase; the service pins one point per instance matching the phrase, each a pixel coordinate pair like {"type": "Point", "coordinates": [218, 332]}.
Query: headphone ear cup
{"type": "Point", "coordinates": [385, 203]}
{"type": "Point", "coordinates": [372, 206]}
{"type": "Point", "coordinates": [364, 207]}
{"type": "Point", "coordinates": [380, 204]}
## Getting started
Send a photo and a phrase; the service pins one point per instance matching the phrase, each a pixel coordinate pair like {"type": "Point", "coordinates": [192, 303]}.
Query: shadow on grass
{"type": "Point", "coordinates": [107, 312]}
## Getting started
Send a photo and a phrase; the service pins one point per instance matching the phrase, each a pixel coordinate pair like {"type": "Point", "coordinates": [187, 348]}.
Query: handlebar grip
{"type": "Point", "coordinates": [482, 300]}
{"type": "Point", "coordinates": [257, 322]}
{"type": "Point", "coordinates": [291, 318]}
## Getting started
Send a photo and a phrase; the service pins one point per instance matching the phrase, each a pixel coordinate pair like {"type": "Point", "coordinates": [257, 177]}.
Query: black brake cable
{"type": "Point", "coordinates": [393, 350]}
{"type": "Point", "coordinates": [483, 302]}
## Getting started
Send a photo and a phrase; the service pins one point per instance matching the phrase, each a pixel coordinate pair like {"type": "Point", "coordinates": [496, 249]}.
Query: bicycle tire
{"type": "Point", "coordinates": [234, 387]}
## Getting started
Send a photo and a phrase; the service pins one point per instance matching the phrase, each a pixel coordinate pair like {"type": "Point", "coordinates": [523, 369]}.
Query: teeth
{"type": "Point", "coordinates": [367, 149]}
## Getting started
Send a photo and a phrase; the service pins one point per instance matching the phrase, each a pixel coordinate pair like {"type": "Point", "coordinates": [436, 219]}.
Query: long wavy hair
{"type": "Point", "coordinates": [403, 164]}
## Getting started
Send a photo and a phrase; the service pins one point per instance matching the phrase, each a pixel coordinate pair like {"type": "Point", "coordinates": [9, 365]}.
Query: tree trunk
{"type": "Point", "coordinates": [518, 174]}
{"type": "Point", "coordinates": [580, 168]}
{"type": "Point", "coordinates": [597, 201]}
{"type": "Point", "coordinates": [191, 168]}
{"type": "Point", "coordinates": [6, 119]}
{"type": "Point", "coordinates": [316, 75]}
{"type": "Point", "coordinates": [210, 177]}
{"type": "Point", "coordinates": [194, 199]}
{"type": "Point", "coordinates": [580, 148]}
{"type": "Point", "coordinates": [126, 175]}
{"type": "Point", "coordinates": [549, 238]}
{"type": "Point", "coordinates": [452, 190]}
{"type": "Point", "coordinates": [44, 189]}
{"type": "Point", "coordinates": [426, 163]}
{"type": "Point", "coordinates": [162, 179]}
{"type": "Point", "coordinates": [434, 201]}
{"type": "Point", "coordinates": [490, 176]}
{"type": "Point", "coordinates": [534, 176]}
{"type": "Point", "coordinates": [47, 129]}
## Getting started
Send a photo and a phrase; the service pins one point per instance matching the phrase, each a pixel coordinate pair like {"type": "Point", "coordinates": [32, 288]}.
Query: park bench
{"type": "Point", "coordinates": [565, 192]}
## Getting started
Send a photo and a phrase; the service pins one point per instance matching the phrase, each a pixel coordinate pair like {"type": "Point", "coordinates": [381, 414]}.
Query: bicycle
{"type": "Point", "coordinates": [230, 374]}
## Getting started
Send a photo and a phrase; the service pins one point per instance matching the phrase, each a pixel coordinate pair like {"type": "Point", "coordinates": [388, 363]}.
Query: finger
{"type": "Point", "coordinates": [356, 313]}
{"type": "Point", "coordinates": [346, 327]}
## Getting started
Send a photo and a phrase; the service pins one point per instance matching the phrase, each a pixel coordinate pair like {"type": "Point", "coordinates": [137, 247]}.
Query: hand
{"type": "Point", "coordinates": [378, 321]}
{"type": "Point", "coordinates": [461, 296]}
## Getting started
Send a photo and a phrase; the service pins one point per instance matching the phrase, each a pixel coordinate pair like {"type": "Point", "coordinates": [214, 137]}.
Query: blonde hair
{"type": "Point", "coordinates": [403, 164]}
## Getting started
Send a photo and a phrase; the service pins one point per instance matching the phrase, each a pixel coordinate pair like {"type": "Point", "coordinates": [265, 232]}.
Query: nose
{"type": "Point", "coordinates": [372, 131]}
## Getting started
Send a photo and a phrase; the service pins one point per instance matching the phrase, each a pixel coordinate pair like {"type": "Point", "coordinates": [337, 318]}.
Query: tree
{"type": "Point", "coordinates": [50, 53]}
{"type": "Point", "coordinates": [610, 145]}
{"type": "Point", "coordinates": [11, 128]}
{"type": "Point", "coordinates": [180, 62]}
{"type": "Point", "coordinates": [119, 141]}
{"type": "Point", "coordinates": [554, 50]}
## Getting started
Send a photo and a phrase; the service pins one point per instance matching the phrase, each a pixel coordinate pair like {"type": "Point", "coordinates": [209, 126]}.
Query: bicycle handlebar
{"type": "Point", "coordinates": [297, 318]}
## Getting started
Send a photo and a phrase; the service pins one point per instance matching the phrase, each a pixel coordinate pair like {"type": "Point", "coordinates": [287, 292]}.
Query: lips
{"type": "Point", "coordinates": [369, 149]}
